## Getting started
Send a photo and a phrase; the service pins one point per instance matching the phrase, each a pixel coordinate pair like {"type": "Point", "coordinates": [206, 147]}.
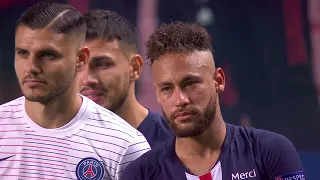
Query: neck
{"type": "Point", "coordinates": [131, 110]}
{"type": "Point", "coordinates": [55, 113]}
{"type": "Point", "coordinates": [209, 142]}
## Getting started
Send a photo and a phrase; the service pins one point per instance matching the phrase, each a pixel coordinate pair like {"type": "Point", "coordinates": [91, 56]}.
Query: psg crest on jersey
{"type": "Point", "coordinates": [90, 169]}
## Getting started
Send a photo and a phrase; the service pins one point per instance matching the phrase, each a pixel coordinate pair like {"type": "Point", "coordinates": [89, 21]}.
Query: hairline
{"type": "Point", "coordinates": [127, 47]}
{"type": "Point", "coordinates": [72, 35]}
{"type": "Point", "coordinates": [181, 53]}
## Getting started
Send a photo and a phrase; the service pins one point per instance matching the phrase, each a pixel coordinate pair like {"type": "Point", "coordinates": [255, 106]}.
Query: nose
{"type": "Point", "coordinates": [181, 98]}
{"type": "Point", "coordinates": [88, 77]}
{"type": "Point", "coordinates": [33, 66]}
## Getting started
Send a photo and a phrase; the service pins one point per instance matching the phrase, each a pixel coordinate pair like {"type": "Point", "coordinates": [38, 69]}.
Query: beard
{"type": "Point", "coordinates": [117, 102]}
{"type": "Point", "coordinates": [201, 120]}
{"type": "Point", "coordinates": [52, 91]}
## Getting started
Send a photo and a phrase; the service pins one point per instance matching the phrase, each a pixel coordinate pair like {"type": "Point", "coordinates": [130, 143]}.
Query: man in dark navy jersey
{"type": "Point", "coordinates": [112, 69]}
{"type": "Point", "coordinates": [187, 86]}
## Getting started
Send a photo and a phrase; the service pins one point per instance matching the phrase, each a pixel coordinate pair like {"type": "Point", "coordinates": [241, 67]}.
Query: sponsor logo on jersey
{"type": "Point", "coordinates": [299, 175]}
{"type": "Point", "coordinates": [244, 175]}
{"type": "Point", "coordinates": [90, 169]}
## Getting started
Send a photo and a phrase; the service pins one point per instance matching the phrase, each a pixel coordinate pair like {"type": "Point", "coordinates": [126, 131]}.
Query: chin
{"type": "Point", "coordinates": [187, 133]}
{"type": "Point", "coordinates": [190, 129]}
{"type": "Point", "coordinates": [37, 96]}
{"type": "Point", "coordinates": [183, 130]}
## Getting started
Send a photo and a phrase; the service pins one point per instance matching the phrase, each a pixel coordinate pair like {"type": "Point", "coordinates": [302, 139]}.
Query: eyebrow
{"type": "Point", "coordinates": [52, 50]}
{"type": "Point", "coordinates": [100, 58]}
{"type": "Point", "coordinates": [184, 79]}
{"type": "Point", "coordinates": [20, 49]}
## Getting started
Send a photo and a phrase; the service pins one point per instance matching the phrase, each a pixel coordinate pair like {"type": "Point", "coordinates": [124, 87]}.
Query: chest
{"type": "Point", "coordinates": [30, 156]}
{"type": "Point", "coordinates": [229, 168]}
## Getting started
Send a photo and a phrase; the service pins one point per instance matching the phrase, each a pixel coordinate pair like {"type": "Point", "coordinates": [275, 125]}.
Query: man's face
{"type": "Point", "coordinates": [106, 78]}
{"type": "Point", "coordinates": [45, 63]}
{"type": "Point", "coordinates": [186, 88]}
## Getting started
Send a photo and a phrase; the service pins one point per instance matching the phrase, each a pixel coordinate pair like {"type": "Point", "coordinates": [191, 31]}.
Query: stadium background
{"type": "Point", "coordinates": [269, 49]}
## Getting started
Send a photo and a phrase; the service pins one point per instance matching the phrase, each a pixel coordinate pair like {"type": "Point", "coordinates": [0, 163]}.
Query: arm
{"type": "Point", "coordinates": [280, 157]}
{"type": "Point", "coordinates": [136, 148]}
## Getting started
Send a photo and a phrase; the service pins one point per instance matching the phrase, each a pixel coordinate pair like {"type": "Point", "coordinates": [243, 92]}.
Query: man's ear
{"type": "Point", "coordinates": [83, 56]}
{"type": "Point", "coordinates": [219, 79]}
{"type": "Point", "coordinates": [136, 67]}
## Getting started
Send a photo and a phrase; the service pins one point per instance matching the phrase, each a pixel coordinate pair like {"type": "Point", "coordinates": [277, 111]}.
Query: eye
{"type": "Point", "coordinates": [103, 65]}
{"type": "Point", "coordinates": [48, 55]}
{"type": "Point", "coordinates": [191, 83]}
{"type": "Point", "coordinates": [166, 90]}
{"type": "Point", "coordinates": [22, 53]}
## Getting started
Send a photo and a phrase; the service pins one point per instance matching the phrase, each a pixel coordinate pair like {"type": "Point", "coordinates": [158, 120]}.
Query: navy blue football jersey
{"type": "Point", "coordinates": [247, 153]}
{"type": "Point", "coordinates": [155, 129]}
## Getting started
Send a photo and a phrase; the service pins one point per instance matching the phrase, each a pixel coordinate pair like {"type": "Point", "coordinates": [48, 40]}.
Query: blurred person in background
{"type": "Point", "coordinates": [113, 68]}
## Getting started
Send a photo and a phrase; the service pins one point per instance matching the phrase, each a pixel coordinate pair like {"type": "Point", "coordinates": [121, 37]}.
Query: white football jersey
{"type": "Point", "coordinates": [96, 144]}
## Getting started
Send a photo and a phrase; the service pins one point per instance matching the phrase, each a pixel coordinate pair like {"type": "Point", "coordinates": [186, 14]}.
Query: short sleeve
{"type": "Point", "coordinates": [280, 157]}
{"type": "Point", "coordinates": [137, 148]}
{"type": "Point", "coordinates": [142, 168]}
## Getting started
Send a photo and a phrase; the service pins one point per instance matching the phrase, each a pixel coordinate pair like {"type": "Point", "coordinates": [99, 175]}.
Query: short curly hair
{"type": "Point", "coordinates": [177, 37]}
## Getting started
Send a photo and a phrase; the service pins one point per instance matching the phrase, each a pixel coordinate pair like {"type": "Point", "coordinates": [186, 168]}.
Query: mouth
{"type": "Point", "coordinates": [33, 82]}
{"type": "Point", "coordinates": [182, 116]}
{"type": "Point", "coordinates": [94, 95]}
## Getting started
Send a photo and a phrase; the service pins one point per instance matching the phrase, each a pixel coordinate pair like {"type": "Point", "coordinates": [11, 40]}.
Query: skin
{"type": "Point", "coordinates": [187, 88]}
{"type": "Point", "coordinates": [46, 63]}
{"type": "Point", "coordinates": [109, 78]}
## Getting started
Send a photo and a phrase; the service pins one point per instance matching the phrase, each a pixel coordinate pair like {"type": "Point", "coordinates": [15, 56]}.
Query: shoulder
{"type": "Point", "coordinates": [147, 165]}
{"type": "Point", "coordinates": [159, 121]}
{"type": "Point", "coordinates": [262, 138]}
{"type": "Point", "coordinates": [155, 128]}
{"type": "Point", "coordinates": [109, 127]}
{"type": "Point", "coordinates": [110, 121]}
{"type": "Point", "coordinates": [149, 160]}
{"type": "Point", "coordinates": [277, 154]}
{"type": "Point", "coordinates": [11, 104]}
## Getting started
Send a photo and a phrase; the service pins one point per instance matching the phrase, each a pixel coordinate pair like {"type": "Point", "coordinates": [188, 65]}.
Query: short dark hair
{"type": "Point", "coordinates": [177, 37]}
{"type": "Point", "coordinates": [61, 18]}
{"type": "Point", "coordinates": [109, 26]}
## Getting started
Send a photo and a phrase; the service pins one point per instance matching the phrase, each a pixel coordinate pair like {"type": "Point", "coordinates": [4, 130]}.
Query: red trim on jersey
{"type": "Point", "coordinates": [207, 176]}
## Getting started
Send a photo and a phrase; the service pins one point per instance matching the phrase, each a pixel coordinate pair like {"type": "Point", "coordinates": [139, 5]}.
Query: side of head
{"type": "Point", "coordinates": [114, 64]}
{"type": "Point", "coordinates": [186, 80]}
{"type": "Point", "coordinates": [49, 50]}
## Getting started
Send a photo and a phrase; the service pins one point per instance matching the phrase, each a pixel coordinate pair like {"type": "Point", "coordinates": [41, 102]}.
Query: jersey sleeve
{"type": "Point", "coordinates": [132, 171]}
{"type": "Point", "coordinates": [137, 148]}
{"type": "Point", "coordinates": [141, 168]}
{"type": "Point", "coordinates": [280, 157]}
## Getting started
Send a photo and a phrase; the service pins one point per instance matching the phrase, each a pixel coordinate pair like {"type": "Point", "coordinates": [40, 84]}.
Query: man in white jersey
{"type": "Point", "coordinates": [52, 132]}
